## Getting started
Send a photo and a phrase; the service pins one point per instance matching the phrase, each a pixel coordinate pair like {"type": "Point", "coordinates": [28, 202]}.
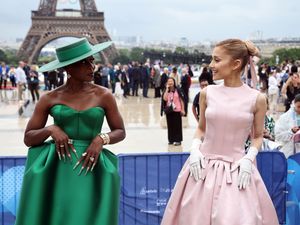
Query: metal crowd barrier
{"type": "Point", "coordinates": [293, 183]}
{"type": "Point", "coordinates": [146, 184]}
{"type": "Point", "coordinates": [147, 181]}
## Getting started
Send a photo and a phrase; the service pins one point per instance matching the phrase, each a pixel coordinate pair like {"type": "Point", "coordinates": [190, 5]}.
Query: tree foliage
{"type": "Point", "coordinates": [180, 55]}
{"type": "Point", "coordinates": [291, 54]}
{"type": "Point", "coordinates": [9, 56]}
{"type": "Point", "coordinates": [3, 57]}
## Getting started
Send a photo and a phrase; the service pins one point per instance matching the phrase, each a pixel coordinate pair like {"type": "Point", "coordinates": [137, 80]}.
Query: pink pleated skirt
{"type": "Point", "coordinates": [217, 200]}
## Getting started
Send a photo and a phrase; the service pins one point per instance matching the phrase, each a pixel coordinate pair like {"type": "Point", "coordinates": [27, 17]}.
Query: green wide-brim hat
{"type": "Point", "coordinates": [74, 52]}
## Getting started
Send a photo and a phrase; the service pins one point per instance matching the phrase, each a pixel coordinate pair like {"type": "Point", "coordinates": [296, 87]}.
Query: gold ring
{"type": "Point", "coordinates": [92, 159]}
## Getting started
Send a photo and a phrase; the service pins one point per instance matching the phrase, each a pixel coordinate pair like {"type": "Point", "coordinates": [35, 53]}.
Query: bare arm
{"type": "Point", "coordinates": [194, 112]}
{"type": "Point", "coordinates": [114, 119]}
{"type": "Point", "coordinates": [259, 117]}
{"type": "Point", "coordinates": [200, 132]}
{"type": "Point", "coordinates": [36, 132]}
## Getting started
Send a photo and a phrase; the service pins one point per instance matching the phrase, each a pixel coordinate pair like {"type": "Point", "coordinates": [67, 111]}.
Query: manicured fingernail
{"type": "Point", "coordinates": [59, 156]}
{"type": "Point", "coordinates": [76, 165]}
{"type": "Point", "coordinates": [76, 154]}
{"type": "Point", "coordinates": [87, 170]}
{"type": "Point", "coordinates": [93, 167]}
{"type": "Point", "coordinates": [63, 155]}
{"type": "Point", "coordinates": [80, 170]}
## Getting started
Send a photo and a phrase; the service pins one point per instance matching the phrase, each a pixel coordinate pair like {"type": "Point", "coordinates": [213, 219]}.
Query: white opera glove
{"type": "Point", "coordinates": [245, 168]}
{"type": "Point", "coordinates": [196, 160]}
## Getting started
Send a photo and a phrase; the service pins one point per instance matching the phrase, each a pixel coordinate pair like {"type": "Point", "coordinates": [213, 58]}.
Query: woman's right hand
{"type": "Point", "coordinates": [196, 160]}
{"type": "Point", "coordinates": [62, 142]}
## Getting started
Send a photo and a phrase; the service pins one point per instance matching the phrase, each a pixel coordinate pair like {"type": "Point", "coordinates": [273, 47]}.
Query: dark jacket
{"type": "Point", "coordinates": [163, 81]}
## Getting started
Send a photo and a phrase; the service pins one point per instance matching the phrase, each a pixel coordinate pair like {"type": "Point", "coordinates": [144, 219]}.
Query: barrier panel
{"type": "Point", "coordinates": [293, 184]}
{"type": "Point", "coordinates": [12, 170]}
{"type": "Point", "coordinates": [273, 170]}
{"type": "Point", "coordinates": [146, 184]}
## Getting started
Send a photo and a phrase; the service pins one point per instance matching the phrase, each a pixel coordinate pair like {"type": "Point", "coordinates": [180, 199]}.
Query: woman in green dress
{"type": "Point", "coordinates": [71, 179]}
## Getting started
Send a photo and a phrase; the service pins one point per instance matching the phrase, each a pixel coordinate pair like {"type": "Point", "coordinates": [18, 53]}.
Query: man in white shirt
{"type": "Point", "coordinates": [20, 79]}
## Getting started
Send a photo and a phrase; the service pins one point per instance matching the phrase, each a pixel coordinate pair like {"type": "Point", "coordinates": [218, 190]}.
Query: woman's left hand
{"type": "Point", "coordinates": [90, 157]}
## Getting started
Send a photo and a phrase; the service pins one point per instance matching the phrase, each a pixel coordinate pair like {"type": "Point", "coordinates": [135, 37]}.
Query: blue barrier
{"type": "Point", "coordinates": [273, 170]}
{"type": "Point", "coordinates": [293, 183]}
{"type": "Point", "coordinates": [12, 170]}
{"type": "Point", "coordinates": [146, 184]}
{"type": "Point", "coordinates": [147, 181]}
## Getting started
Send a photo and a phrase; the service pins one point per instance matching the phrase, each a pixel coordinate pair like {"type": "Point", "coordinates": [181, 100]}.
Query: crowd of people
{"type": "Point", "coordinates": [280, 83]}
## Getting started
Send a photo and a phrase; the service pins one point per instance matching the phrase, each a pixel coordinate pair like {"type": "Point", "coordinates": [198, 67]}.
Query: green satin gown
{"type": "Point", "coordinates": [54, 194]}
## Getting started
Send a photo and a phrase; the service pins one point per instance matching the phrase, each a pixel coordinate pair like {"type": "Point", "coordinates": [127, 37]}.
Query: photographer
{"type": "Point", "coordinates": [173, 106]}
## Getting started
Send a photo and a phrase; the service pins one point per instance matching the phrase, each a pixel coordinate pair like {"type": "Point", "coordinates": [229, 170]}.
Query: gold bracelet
{"type": "Point", "coordinates": [105, 138]}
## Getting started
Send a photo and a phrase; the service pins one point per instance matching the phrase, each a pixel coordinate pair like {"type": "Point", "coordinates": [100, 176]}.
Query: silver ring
{"type": "Point", "coordinates": [62, 146]}
{"type": "Point", "coordinates": [92, 159]}
{"type": "Point", "coordinates": [70, 141]}
{"type": "Point", "coordinates": [84, 154]}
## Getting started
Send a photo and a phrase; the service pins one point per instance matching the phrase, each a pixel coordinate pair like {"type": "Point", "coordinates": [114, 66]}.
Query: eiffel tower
{"type": "Point", "coordinates": [49, 24]}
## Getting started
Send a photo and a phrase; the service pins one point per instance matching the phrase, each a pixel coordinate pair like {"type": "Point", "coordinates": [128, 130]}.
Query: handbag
{"type": "Point", "coordinates": [169, 108]}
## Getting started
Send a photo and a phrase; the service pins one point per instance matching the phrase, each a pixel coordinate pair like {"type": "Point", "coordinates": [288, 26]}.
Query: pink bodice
{"type": "Point", "coordinates": [229, 119]}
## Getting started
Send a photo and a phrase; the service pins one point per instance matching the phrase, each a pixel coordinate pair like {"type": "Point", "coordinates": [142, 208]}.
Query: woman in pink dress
{"type": "Point", "coordinates": [220, 184]}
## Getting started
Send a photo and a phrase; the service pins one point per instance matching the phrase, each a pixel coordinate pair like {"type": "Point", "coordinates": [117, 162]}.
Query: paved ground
{"type": "Point", "coordinates": [146, 129]}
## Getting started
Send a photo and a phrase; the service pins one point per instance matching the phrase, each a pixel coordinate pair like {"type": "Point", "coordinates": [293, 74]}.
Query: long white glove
{"type": "Point", "coordinates": [245, 165]}
{"type": "Point", "coordinates": [196, 161]}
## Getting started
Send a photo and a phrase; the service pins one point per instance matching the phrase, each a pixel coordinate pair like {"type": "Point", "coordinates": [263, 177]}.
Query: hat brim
{"type": "Point", "coordinates": [56, 64]}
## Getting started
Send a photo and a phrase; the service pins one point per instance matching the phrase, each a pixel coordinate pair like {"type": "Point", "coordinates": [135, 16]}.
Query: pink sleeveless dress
{"type": "Point", "coordinates": [217, 200]}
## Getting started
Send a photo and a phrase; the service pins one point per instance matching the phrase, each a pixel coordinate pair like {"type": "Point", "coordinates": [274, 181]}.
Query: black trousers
{"type": "Point", "coordinates": [157, 92]}
{"type": "Point", "coordinates": [174, 124]}
{"type": "Point", "coordinates": [4, 81]}
{"type": "Point", "coordinates": [34, 90]}
{"type": "Point", "coordinates": [135, 88]}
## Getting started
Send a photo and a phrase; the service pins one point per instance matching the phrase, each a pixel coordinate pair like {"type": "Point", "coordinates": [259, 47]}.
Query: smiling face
{"type": "Point", "coordinates": [170, 83]}
{"type": "Point", "coordinates": [222, 64]}
{"type": "Point", "coordinates": [82, 70]}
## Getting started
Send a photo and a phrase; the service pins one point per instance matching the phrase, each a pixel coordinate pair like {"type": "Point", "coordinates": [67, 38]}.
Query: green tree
{"type": "Point", "coordinates": [137, 54]}
{"type": "Point", "coordinates": [45, 59]}
{"type": "Point", "coordinates": [3, 57]}
{"type": "Point", "coordinates": [285, 53]}
{"type": "Point", "coordinates": [123, 57]}
{"type": "Point", "coordinates": [181, 50]}
{"type": "Point", "coordinates": [11, 55]}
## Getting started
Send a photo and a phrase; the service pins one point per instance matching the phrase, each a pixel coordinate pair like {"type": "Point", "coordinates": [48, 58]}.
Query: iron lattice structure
{"type": "Point", "coordinates": [48, 24]}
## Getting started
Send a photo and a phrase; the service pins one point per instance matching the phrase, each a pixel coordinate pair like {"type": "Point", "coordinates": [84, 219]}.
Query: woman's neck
{"type": "Point", "coordinates": [75, 85]}
{"type": "Point", "coordinates": [233, 81]}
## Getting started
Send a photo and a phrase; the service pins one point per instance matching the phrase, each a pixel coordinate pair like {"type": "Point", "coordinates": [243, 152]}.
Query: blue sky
{"type": "Point", "coordinates": [198, 20]}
